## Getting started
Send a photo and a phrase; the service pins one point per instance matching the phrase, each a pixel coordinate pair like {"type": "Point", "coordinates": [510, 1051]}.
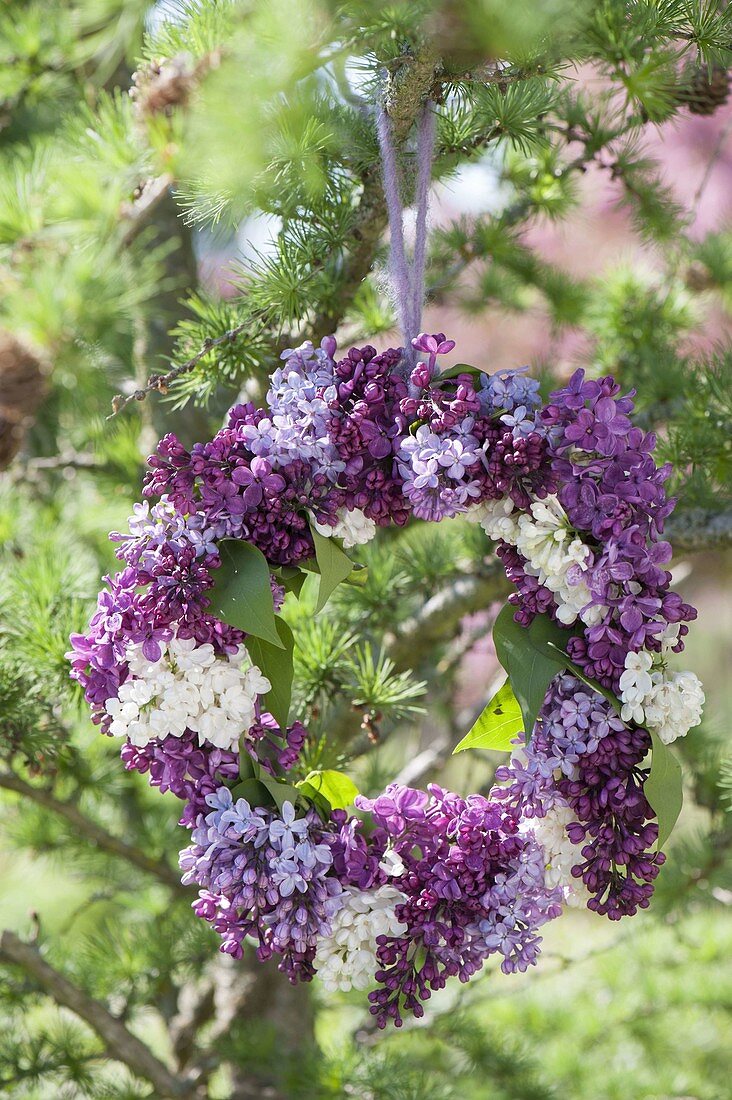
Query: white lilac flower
{"type": "Point", "coordinates": [498, 518]}
{"type": "Point", "coordinates": [392, 864]}
{"type": "Point", "coordinates": [635, 685]}
{"type": "Point", "coordinates": [668, 703]}
{"type": "Point", "coordinates": [669, 637]}
{"type": "Point", "coordinates": [674, 704]}
{"type": "Point", "coordinates": [560, 852]}
{"type": "Point", "coordinates": [553, 552]}
{"type": "Point", "coordinates": [558, 559]}
{"type": "Point", "coordinates": [188, 688]}
{"type": "Point", "coordinates": [346, 959]}
{"type": "Point", "coordinates": [353, 526]}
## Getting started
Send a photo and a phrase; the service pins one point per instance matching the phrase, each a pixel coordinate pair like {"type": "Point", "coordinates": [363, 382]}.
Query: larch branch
{"type": "Point", "coordinates": [93, 832]}
{"type": "Point", "coordinates": [121, 1044]}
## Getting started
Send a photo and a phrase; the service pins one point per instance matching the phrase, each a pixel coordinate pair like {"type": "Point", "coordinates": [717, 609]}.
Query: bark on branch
{"type": "Point", "coordinates": [93, 832]}
{"type": "Point", "coordinates": [439, 619]}
{"type": "Point", "coordinates": [121, 1044]}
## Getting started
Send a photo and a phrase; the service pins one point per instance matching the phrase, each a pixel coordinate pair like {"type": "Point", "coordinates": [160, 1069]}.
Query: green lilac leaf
{"type": "Point", "coordinates": [334, 566]}
{"type": "Point", "coordinates": [497, 725]}
{"type": "Point", "coordinates": [663, 788]}
{"type": "Point", "coordinates": [292, 578]}
{"type": "Point", "coordinates": [337, 788]}
{"type": "Point", "coordinates": [321, 804]}
{"type": "Point", "coordinates": [248, 767]}
{"type": "Point", "coordinates": [280, 792]}
{"type": "Point", "coordinates": [277, 664]}
{"type": "Point", "coordinates": [462, 368]}
{"type": "Point", "coordinates": [254, 792]}
{"type": "Point", "coordinates": [529, 659]}
{"type": "Point", "coordinates": [242, 595]}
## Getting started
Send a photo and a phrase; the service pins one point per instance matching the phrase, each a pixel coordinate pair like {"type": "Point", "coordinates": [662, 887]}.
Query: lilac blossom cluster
{"type": "Point", "coordinates": [473, 886]}
{"type": "Point", "coordinates": [263, 874]}
{"type": "Point", "coordinates": [580, 778]}
{"type": "Point", "coordinates": [435, 884]}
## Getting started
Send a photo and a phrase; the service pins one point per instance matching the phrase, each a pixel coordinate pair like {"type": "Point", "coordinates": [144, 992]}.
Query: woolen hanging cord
{"type": "Point", "coordinates": [408, 282]}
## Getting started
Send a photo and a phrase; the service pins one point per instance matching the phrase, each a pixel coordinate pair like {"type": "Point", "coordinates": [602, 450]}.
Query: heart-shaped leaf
{"type": "Point", "coordinates": [497, 725]}
{"type": "Point", "coordinates": [241, 594]}
{"type": "Point", "coordinates": [663, 788]}
{"type": "Point", "coordinates": [337, 788]}
{"type": "Point", "coordinates": [248, 767]}
{"type": "Point", "coordinates": [334, 566]}
{"type": "Point", "coordinates": [291, 578]}
{"type": "Point", "coordinates": [529, 659]}
{"type": "Point", "coordinates": [253, 791]}
{"type": "Point", "coordinates": [280, 792]}
{"type": "Point", "coordinates": [276, 663]}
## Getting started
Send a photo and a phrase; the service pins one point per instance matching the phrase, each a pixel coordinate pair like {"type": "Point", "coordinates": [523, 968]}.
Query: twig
{"type": "Point", "coordinates": [140, 212]}
{"type": "Point", "coordinates": [95, 833]}
{"type": "Point", "coordinates": [162, 382]}
{"type": "Point", "coordinates": [724, 133]}
{"type": "Point", "coordinates": [121, 1044]}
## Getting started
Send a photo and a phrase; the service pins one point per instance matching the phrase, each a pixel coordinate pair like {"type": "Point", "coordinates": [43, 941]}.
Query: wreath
{"type": "Point", "coordinates": [188, 659]}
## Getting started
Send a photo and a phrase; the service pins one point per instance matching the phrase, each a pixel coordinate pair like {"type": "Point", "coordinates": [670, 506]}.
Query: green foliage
{"type": "Point", "coordinates": [531, 656]}
{"type": "Point", "coordinates": [242, 594]}
{"type": "Point", "coordinates": [497, 724]}
{"type": "Point", "coordinates": [663, 788]}
{"type": "Point", "coordinates": [276, 662]}
{"type": "Point", "coordinates": [106, 202]}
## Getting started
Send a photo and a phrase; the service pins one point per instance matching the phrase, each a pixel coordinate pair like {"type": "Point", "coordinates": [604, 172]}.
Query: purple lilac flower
{"type": "Point", "coordinates": [264, 875]}
{"type": "Point", "coordinates": [366, 428]}
{"type": "Point", "coordinates": [582, 755]}
{"type": "Point", "coordinates": [295, 427]}
{"type": "Point", "coordinates": [193, 771]}
{"type": "Point", "coordinates": [438, 471]}
{"type": "Point", "coordinates": [474, 887]}
{"type": "Point", "coordinates": [509, 389]}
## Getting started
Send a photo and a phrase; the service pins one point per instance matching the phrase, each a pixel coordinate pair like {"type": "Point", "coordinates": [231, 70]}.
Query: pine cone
{"type": "Point", "coordinates": [159, 86]}
{"type": "Point", "coordinates": [704, 90]}
{"type": "Point", "coordinates": [23, 373]}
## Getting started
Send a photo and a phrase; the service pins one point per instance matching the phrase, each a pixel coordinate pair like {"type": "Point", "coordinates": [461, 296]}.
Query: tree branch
{"type": "Point", "coordinates": [696, 529]}
{"type": "Point", "coordinates": [439, 619]}
{"type": "Point", "coordinates": [98, 836]}
{"type": "Point", "coordinates": [121, 1044]}
{"type": "Point", "coordinates": [162, 382]}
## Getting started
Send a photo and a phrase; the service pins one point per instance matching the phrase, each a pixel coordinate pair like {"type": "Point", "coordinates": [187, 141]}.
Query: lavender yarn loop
{"type": "Point", "coordinates": [407, 280]}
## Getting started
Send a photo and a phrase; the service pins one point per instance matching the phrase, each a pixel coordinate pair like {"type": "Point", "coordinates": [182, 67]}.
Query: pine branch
{"type": "Point", "coordinates": [138, 214]}
{"type": "Point", "coordinates": [121, 1044]}
{"type": "Point", "coordinates": [162, 382]}
{"type": "Point", "coordinates": [93, 832]}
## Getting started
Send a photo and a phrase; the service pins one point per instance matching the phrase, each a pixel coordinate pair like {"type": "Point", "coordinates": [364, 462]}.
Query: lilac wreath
{"type": "Point", "coordinates": [187, 659]}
